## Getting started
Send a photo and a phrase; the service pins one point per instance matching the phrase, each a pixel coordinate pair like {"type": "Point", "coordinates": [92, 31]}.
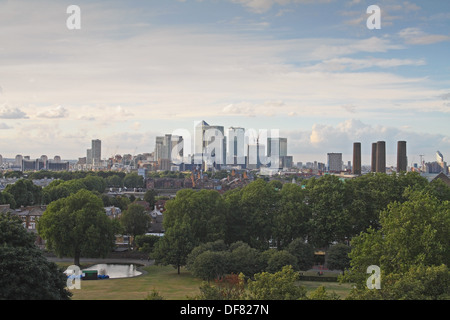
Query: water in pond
{"type": "Point", "coordinates": [116, 270]}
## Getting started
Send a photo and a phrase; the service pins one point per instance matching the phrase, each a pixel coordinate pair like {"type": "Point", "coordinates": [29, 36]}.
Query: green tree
{"type": "Point", "coordinates": [114, 181]}
{"type": "Point", "coordinates": [279, 259]}
{"type": "Point", "coordinates": [77, 226]}
{"type": "Point", "coordinates": [304, 253]}
{"type": "Point", "coordinates": [258, 205]}
{"type": "Point", "coordinates": [25, 193]}
{"type": "Point", "coordinates": [413, 237]}
{"type": "Point", "coordinates": [175, 246]}
{"type": "Point", "coordinates": [210, 265]}
{"type": "Point", "coordinates": [25, 273]}
{"type": "Point", "coordinates": [326, 198]}
{"type": "Point", "coordinates": [338, 258]}
{"type": "Point", "coordinates": [321, 294]}
{"type": "Point", "coordinates": [133, 180]}
{"type": "Point", "coordinates": [281, 285]}
{"type": "Point", "coordinates": [291, 217]}
{"type": "Point", "coordinates": [203, 210]}
{"type": "Point", "coordinates": [135, 220]}
{"type": "Point", "coordinates": [150, 197]}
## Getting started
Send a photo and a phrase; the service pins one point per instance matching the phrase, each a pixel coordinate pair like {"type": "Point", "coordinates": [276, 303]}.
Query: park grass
{"type": "Point", "coordinates": [169, 284]}
{"type": "Point", "coordinates": [163, 279]}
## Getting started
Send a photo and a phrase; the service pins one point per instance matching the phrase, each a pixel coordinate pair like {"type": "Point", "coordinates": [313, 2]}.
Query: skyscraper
{"type": "Point", "coordinates": [356, 169]}
{"type": "Point", "coordinates": [381, 156]}
{"type": "Point", "coordinates": [96, 152]}
{"type": "Point", "coordinates": [236, 146]}
{"type": "Point", "coordinates": [210, 144]}
{"type": "Point", "coordinates": [402, 160]}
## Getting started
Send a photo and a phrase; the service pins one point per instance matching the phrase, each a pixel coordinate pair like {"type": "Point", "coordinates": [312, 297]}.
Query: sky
{"type": "Point", "coordinates": [311, 69]}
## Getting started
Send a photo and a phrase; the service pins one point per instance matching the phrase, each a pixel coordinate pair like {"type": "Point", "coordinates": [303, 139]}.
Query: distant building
{"type": "Point", "coordinates": [334, 162]}
{"type": "Point", "coordinates": [402, 160]}
{"type": "Point", "coordinates": [381, 157]}
{"type": "Point", "coordinates": [356, 168]}
{"type": "Point", "coordinates": [96, 152]}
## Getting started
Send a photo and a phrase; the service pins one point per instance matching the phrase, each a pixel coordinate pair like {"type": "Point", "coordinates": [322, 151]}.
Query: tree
{"type": "Point", "coordinates": [304, 253]}
{"type": "Point", "coordinates": [278, 259]}
{"type": "Point", "coordinates": [210, 265]}
{"type": "Point", "coordinates": [135, 220]}
{"type": "Point", "coordinates": [150, 197]}
{"type": "Point", "coordinates": [321, 294]}
{"type": "Point", "coordinates": [229, 287]}
{"type": "Point", "coordinates": [25, 193]}
{"type": "Point", "coordinates": [203, 210]}
{"type": "Point", "coordinates": [413, 237]}
{"type": "Point", "coordinates": [25, 273]}
{"type": "Point", "coordinates": [94, 183]}
{"type": "Point", "coordinates": [338, 257]}
{"type": "Point", "coordinates": [133, 180]}
{"type": "Point", "coordinates": [291, 217]}
{"type": "Point", "coordinates": [77, 226]}
{"type": "Point", "coordinates": [258, 205]}
{"type": "Point", "coordinates": [280, 285]}
{"type": "Point", "coordinates": [175, 246]}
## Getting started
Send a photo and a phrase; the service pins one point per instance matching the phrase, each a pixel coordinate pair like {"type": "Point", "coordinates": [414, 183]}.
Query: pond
{"type": "Point", "coordinates": [115, 271]}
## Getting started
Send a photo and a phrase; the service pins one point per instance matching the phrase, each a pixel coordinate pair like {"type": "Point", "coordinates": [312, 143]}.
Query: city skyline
{"type": "Point", "coordinates": [139, 70]}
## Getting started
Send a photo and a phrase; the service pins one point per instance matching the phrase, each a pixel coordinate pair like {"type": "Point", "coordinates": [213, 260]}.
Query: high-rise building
{"type": "Point", "coordinates": [402, 160]}
{"type": "Point", "coordinates": [89, 156]}
{"type": "Point", "coordinates": [209, 144]}
{"type": "Point", "coordinates": [96, 152]}
{"type": "Point", "coordinates": [356, 167]}
{"type": "Point", "coordinates": [236, 146]}
{"type": "Point", "coordinates": [381, 156]}
{"type": "Point", "coordinates": [334, 162]}
{"type": "Point", "coordinates": [1, 160]}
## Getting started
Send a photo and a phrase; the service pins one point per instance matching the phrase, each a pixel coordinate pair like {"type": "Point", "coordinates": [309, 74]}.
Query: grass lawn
{"type": "Point", "coordinates": [169, 284]}
{"type": "Point", "coordinates": [165, 280]}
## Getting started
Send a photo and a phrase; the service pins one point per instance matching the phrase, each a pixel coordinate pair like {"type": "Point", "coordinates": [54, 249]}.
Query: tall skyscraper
{"type": "Point", "coordinates": [381, 156]}
{"type": "Point", "coordinates": [96, 152]}
{"type": "Point", "coordinates": [402, 160]}
{"type": "Point", "coordinates": [236, 146]}
{"type": "Point", "coordinates": [373, 164]}
{"type": "Point", "coordinates": [356, 168]}
{"type": "Point", "coordinates": [210, 144]}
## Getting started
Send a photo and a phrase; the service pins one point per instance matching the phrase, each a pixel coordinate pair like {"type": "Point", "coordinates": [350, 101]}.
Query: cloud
{"type": "Point", "coordinates": [262, 6]}
{"type": "Point", "coordinates": [4, 126]}
{"type": "Point", "coordinates": [53, 113]}
{"type": "Point", "coordinates": [323, 138]}
{"type": "Point", "coordinates": [418, 37]}
{"type": "Point", "coordinates": [7, 112]}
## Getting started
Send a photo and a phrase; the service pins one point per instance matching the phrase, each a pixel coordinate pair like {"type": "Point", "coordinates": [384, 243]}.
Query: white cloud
{"type": "Point", "coordinates": [419, 37]}
{"type": "Point", "coordinates": [7, 112]}
{"type": "Point", "coordinates": [4, 126]}
{"type": "Point", "coordinates": [53, 113]}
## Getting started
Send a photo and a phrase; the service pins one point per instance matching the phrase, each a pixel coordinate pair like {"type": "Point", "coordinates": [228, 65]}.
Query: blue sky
{"type": "Point", "coordinates": [311, 69]}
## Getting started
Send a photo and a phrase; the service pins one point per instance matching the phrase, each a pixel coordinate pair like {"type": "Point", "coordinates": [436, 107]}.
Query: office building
{"type": "Point", "coordinates": [209, 145]}
{"type": "Point", "coordinates": [334, 162]}
{"type": "Point", "coordinates": [236, 146]}
{"type": "Point", "coordinates": [96, 152]}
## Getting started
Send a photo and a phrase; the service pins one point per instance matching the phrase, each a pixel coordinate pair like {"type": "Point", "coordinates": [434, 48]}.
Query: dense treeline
{"type": "Point", "coordinates": [323, 211]}
{"type": "Point", "coordinates": [25, 193]}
